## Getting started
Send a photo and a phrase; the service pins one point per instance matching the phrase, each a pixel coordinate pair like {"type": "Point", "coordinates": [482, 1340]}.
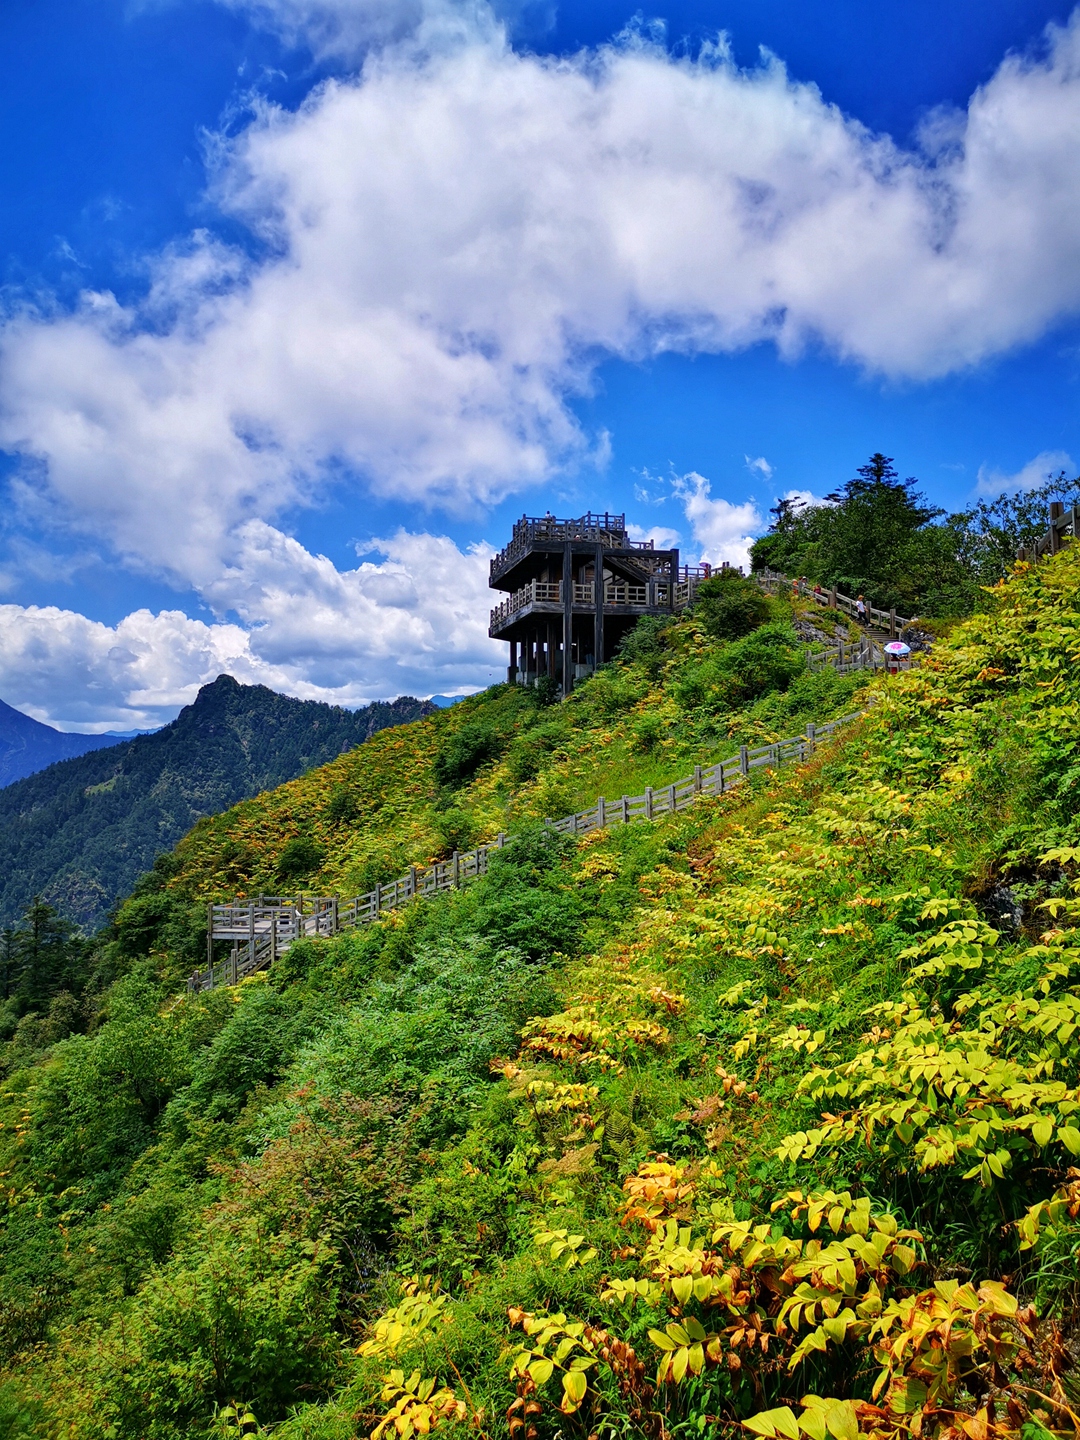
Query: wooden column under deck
{"type": "Point", "coordinates": [598, 598]}
{"type": "Point", "coordinates": [567, 619]}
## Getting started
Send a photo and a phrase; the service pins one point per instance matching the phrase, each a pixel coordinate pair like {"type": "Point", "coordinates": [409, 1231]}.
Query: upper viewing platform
{"type": "Point", "coordinates": [546, 532]}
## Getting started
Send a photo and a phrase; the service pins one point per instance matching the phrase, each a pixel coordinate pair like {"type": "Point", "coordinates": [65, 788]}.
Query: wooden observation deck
{"type": "Point", "coordinates": [575, 588]}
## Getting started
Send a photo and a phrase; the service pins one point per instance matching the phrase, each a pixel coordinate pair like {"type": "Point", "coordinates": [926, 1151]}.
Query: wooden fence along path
{"type": "Point", "coordinates": [834, 600]}
{"type": "Point", "coordinates": [1063, 525]}
{"type": "Point", "coordinates": [261, 930]}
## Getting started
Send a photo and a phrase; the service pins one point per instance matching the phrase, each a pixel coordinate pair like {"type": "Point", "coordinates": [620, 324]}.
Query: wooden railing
{"type": "Point", "coordinates": [1062, 525]}
{"type": "Point", "coordinates": [263, 929]}
{"type": "Point", "coordinates": [834, 600]}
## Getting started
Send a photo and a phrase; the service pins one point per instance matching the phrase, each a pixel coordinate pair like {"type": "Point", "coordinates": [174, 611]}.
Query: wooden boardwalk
{"type": "Point", "coordinates": [262, 929]}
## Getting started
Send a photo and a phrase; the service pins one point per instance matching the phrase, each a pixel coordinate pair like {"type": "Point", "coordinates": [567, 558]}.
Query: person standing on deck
{"type": "Point", "coordinates": [860, 610]}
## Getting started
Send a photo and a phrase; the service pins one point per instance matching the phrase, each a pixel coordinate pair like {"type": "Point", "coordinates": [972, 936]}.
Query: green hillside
{"type": "Point", "coordinates": [81, 832]}
{"type": "Point", "coordinates": [759, 1119]}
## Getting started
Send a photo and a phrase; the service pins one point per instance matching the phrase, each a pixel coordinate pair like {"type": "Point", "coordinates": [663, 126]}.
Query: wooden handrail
{"type": "Point", "coordinates": [269, 928]}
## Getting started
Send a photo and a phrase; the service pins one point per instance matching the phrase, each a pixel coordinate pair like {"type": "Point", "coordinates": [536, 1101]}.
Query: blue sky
{"type": "Point", "coordinates": [306, 300]}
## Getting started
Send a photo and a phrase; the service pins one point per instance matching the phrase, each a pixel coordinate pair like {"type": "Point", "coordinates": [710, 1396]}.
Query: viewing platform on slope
{"type": "Point", "coordinates": [575, 589]}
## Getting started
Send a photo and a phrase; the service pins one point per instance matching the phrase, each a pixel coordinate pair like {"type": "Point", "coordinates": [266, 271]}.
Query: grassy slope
{"type": "Point", "coordinates": [375, 812]}
{"type": "Point", "coordinates": [213, 1199]}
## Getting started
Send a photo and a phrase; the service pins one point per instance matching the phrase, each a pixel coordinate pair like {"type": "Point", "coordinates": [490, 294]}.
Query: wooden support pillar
{"type": "Point", "coordinates": [1057, 508]}
{"type": "Point", "coordinates": [210, 938]}
{"type": "Point", "coordinates": [598, 614]}
{"type": "Point", "coordinates": [511, 671]}
{"type": "Point", "coordinates": [551, 650]}
{"type": "Point", "coordinates": [567, 619]}
{"type": "Point", "coordinates": [674, 580]}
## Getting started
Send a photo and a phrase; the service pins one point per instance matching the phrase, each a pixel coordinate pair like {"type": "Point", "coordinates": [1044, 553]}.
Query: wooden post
{"type": "Point", "coordinates": [210, 937]}
{"type": "Point", "coordinates": [273, 938]}
{"type": "Point", "coordinates": [744, 760]}
{"type": "Point", "coordinates": [500, 840]}
{"type": "Point", "coordinates": [625, 809]}
{"type": "Point", "coordinates": [601, 819]}
{"type": "Point", "coordinates": [697, 779]}
{"type": "Point", "coordinates": [832, 598]}
{"type": "Point", "coordinates": [648, 802]}
{"type": "Point", "coordinates": [377, 892]}
{"type": "Point", "coordinates": [811, 737]}
{"type": "Point", "coordinates": [567, 618]}
{"type": "Point", "coordinates": [412, 880]}
{"type": "Point", "coordinates": [892, 624]}
{"type": "Point", "coordinates": [671, 799]}
{"type": "Point", "coordinates": [598, 608]}
{"type": "Point", "coordinates": [1057, 509]}
{"type": "Point", "coordinates": [456, 870]}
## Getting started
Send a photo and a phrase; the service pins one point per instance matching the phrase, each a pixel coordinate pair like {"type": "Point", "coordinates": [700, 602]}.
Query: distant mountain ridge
{"type": "Point", "coordinates": [82, 831]}
{"type": "Point", "coordinates": [27, 745]}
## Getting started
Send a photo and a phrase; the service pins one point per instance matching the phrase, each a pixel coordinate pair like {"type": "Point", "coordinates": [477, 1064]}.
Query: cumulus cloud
{"type": "Point", "coordinates": [413, 623]}
{"type": "Point", "coordinates": [662, 536]}
{"type": "Point", "coordinates": [460, 232]}
{"type": "Point", "coordinates": [722, 531]}
{"type": "Point", "coordinates": [451, 240]}
{"type": "Point", "coordinates": [992, 481]}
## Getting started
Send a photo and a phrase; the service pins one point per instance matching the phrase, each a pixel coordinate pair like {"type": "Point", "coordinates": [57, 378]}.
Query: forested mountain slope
{"type": "Point", "coordinates": [81, 832]}
{"type": "Point", "coordinates": [759, 1119]}
{"type": "Point", "coordinates": [26, 745]}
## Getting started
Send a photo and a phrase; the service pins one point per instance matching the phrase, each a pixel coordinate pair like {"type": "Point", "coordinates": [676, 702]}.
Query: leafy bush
{"type": "Point", "coordinates": [300, 859]}
{"type": "Point", "coordinates": [464, 751]}
{"type": "Point", "coordinates": [730, 606]}
{"type": "Point", "coordinates": [766, 660]}
{"type": "Point", "coordinates": [645, 644]}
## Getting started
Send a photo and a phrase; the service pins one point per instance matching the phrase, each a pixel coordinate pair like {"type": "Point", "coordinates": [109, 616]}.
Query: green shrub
{"type": "Point", "coordinates": [464, 751]}
{"type": "Point", "coordinates": [456, 830]}
{"type": "Point", "coordinates": [300, 858]}
{"type": "Point", "coordinates": [530, 750]}
{"type": "Point", "coordinates": [730, 606]}
{"type": "Point", "coordinates": [768, 659]}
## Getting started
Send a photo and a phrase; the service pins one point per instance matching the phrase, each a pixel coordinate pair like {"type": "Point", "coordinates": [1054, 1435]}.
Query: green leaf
{"type": "Point", "coordinates": [1042, 1131]}
{"type": "Point", "coordinates": [812, 1423]}
{"type": "Point", "coordinates": [575, 1383]}
{"type": "Point", "coordinates": [1069, 1136]}
{"type": "Point", "coordinates": [908, 1396]}
{"type": "Point", "coordinates": [660, 1340]}
{"type": "Point", "coordinates": [771, 1423]}
{"type": "Point", "coordinates": [682, 1287]}
{"type": "Point", "coordinates": [541, 1370]}
{"type": "Point", "coordinates": [842, 1421]}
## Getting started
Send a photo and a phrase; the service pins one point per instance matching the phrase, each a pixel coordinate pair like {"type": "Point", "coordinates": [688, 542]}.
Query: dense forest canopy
{"type": "Point", "coordinates": [80, 833]}
{"type": "Point", "coordinates": [878, 536]}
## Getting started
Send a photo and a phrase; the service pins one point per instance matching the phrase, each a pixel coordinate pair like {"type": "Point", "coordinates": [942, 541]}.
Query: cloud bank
{"type": "Point", "coordinates": [447, 245]}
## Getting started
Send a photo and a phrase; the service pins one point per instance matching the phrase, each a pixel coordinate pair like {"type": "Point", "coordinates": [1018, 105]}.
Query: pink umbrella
{"type": "Point", "coordinates": [897, 647]}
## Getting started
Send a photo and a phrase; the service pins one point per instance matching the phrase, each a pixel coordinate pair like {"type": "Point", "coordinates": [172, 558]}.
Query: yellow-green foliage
{"type": "Point", "coordinates": [381, 807]}
{"type": "Point", "coordinates": [779, 1138]}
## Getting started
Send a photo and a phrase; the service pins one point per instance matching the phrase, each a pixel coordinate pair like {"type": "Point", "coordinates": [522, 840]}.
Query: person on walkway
{"type": "Point", "coordinates": [860, 610]}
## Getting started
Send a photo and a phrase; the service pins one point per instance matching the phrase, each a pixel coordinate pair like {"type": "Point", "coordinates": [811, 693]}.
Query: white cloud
{"type": "Point", "coordinates": [759, 467]}
{"type": "Point", "coordinates": [458, 235]}
{"type": "Point", "coordinates": [415, 623]}
{"type": "Point", "coordinates": [721, 530]}
{"type": "Point", "coordinates": [662, 536]}
{"type": "Point", "coordinates": [992, 481]}
{"type": "Point", "coordinates": [454, 239]}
